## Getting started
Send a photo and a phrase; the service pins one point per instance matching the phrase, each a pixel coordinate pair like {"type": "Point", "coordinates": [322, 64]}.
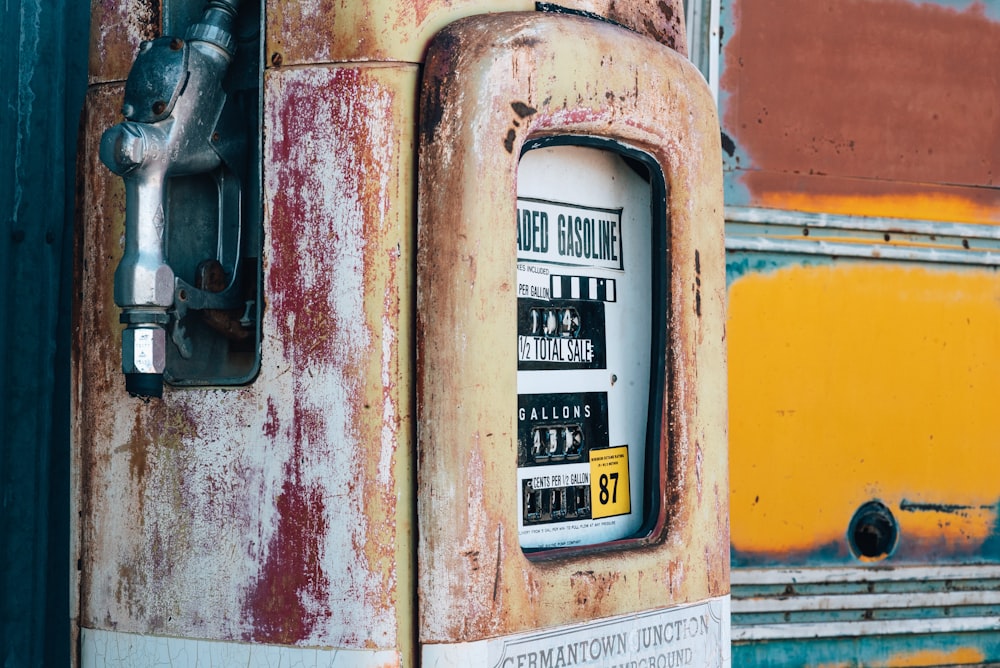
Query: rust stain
{"type": "Point", "coordinates": [116, 28]}
{"type": "Point", "coordinates": [590, 589]}
{"type": "Point", "coordinates": [95, 346]}
{"type": "Point", "coordinates": [883, 93]}
{"type": "Point", "coordinates": [299, 215]}
{"type": "Point", "coordinates": [230, 501]}
{"type": "Point", "coordinates": [314, 31]}
{"type": "Point", "coordinates": [662, 21]}
{"type": "Point", "coordinates": [283, 600]}
{"type": "Point", "coordinates": [317, 31]}
{"type": "Point", "coordinates": [441, 69]}
{"type": "Point", "coordinates": [334, 297]}
{"type": "Point", "coordinates": [292, 575]}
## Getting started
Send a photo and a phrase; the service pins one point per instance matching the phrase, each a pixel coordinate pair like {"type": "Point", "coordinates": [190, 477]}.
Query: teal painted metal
{"type": "Point", "coordinates": [43, 49]}
{"type": "Point", "coordinates": [867, 651]}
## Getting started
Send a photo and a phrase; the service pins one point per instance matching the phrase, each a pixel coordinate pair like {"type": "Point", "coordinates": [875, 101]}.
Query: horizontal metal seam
{"type": "Point", "coordinates": [831, 602]}
{"type": "Point", "coordinates": [865, 628]}
{"type": "Point", "coordinates": [798, 219]}
{"type": "Point", "coordinates": [782, 576]}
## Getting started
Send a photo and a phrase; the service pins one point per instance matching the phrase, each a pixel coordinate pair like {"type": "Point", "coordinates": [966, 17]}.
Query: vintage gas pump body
{"type": "Point", "coordinates": [448, 439]}
{"type": "Point", "coordinates": [599, 275]}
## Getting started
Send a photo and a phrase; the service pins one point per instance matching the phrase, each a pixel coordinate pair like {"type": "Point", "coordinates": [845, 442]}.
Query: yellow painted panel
{"type": "Point", "coordinates": [858, 381]}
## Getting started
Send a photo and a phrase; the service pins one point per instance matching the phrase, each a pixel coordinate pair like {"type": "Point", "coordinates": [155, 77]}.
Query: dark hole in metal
{"type": "Point", "coordinates": [873, 531]}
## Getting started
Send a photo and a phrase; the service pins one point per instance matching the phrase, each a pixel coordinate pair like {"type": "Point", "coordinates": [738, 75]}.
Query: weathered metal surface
{"type": "Point", "coordinates": [280, 512]}
{"type": "Point", "coordinates": [268, 513]}
{"type": "Point", "coordinates": [867, 381]}
{"type": "Point", "coordinates": [862, 106]}
{"type": "Point", "coordinates": [660, 21]}
{"type": "Point", "coordinates": [484, 76]}
{"type": "Point", "coordinates": [314, 31]}
{"type": "Point", "coordinates": [878, 652]}
{"type": "Point", "coordinates": [857, 364]}
{"type": "Point", "coordinates": [116, 29]}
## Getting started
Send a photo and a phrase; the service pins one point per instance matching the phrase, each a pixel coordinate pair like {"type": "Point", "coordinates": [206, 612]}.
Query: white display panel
{"type": "Point", "coordinates": [585, 334]}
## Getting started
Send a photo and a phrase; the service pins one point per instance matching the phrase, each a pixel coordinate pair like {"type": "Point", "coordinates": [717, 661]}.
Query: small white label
{"type": "Point", "coordinates": [533, 281]}
{"type": "Point", "coordinates": [143, 355]}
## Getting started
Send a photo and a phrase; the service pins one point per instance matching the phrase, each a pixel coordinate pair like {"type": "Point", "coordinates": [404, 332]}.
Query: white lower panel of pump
{"type": "Point", "coordinates": [691, 635]}
{"type": "Point", "coordinates": [111, 648]}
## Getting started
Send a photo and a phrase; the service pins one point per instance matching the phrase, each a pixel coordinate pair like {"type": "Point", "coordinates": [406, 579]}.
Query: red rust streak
{"type": "Point", "coordinates": [325, 227]}
{"type": "Point", "coordinates": [291, 572]}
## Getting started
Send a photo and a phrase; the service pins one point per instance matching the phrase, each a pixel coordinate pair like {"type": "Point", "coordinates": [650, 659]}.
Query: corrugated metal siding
{"type": "Point", "coordinates": [862, 211]}
{"type": "Point", "coordinates": [43, 50]}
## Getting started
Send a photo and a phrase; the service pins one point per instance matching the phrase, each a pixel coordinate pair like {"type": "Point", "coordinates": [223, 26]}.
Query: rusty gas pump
{"type": "Point", "coordinates": [477, 413]}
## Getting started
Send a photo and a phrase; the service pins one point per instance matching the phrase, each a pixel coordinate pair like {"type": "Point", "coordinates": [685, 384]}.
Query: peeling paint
{"type": "Point", "coordinates": [228, 514]}
{"type": "Point", "coordinates": [279, 512]}
{"type": "Point", "coordinates": [116, 29]}
{"type": "Point", "coordinates": [323, 32]}
{"type": "Point", "coordinates": [967, 656]}
{"type": "Point", "coordinates": [807, 113]}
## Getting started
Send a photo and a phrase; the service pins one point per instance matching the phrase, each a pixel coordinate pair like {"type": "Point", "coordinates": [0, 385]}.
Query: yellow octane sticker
{"type": "Point", "coordinates": [609, 493]}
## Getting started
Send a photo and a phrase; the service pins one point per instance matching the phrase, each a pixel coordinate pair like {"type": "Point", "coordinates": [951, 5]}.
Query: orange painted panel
{"type": "Point", "coordinates": [924, 203]}
{"type": "Point", "coordinates": [853, 382]}
{"type": "Point", "coordinates": [964, 656]}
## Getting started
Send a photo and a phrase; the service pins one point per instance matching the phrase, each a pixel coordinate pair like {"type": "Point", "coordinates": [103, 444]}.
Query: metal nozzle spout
{"type": "Point", "coordinates": [144, 385]}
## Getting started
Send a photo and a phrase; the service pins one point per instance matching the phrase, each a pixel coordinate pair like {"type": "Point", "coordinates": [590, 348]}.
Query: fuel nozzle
{"type": "Point", "coordinates": [173, 101]}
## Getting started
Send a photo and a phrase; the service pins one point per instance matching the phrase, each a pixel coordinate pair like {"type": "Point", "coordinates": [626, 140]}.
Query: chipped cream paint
{"type": "Point", "coordinates": [474, 581]}
{"type": "Point", "coordinates": [256, 513]}
{"type": "Point", "coordinates": [314, 31]}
